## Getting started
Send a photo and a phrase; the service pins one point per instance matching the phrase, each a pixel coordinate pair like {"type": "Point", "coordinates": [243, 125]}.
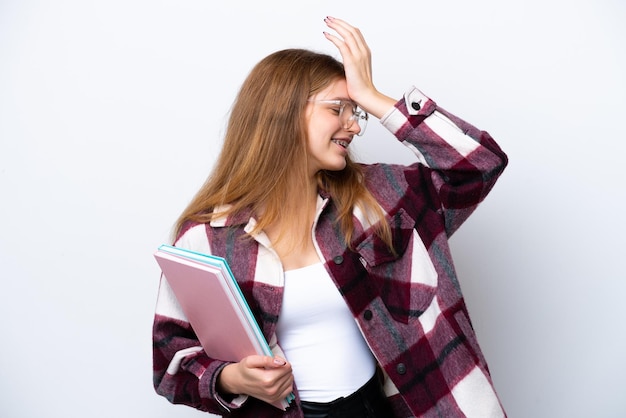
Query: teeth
{"type": "Point", "coordinates": [341, 143]}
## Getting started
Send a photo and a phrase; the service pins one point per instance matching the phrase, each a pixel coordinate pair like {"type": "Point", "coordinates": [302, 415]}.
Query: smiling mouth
{"type": "Point", "coordinates": [341, 143]}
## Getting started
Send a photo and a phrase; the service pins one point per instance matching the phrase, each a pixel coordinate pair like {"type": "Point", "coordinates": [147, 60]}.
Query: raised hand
{"type": "Point", "coordinates": [357, 61]}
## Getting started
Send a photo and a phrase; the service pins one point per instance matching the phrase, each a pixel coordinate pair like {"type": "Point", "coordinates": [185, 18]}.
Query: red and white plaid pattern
{"type": "Point", "coordinates": [409, 306]}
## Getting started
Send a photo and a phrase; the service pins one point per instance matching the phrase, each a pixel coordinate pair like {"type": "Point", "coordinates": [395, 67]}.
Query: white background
{"type": "Point", "coordinates": [111, 113]}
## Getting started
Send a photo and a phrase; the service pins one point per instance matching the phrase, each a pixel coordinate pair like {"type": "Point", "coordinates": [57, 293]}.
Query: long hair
{"type": "Point", "coordinates": [263, 163]}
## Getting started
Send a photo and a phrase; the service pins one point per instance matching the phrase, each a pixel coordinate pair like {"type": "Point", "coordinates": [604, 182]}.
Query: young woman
{"type": "Point", "coordinates": [346, 266]}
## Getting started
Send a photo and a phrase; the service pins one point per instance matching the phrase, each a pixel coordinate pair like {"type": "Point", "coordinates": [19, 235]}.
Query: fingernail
{"type": "Point", "coordinates": [279, 361]}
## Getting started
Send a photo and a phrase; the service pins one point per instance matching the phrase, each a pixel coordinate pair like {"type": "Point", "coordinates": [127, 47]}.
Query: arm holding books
{"type": "Point", "coordinates": [183, 371]}
{"type": "Point", "coordinates": [184, 374]}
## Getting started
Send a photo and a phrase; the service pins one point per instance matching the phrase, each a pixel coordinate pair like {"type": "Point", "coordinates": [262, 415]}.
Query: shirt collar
{"type": "Point", "coordinates": [240, 218]}
{"type": "Point", "coordinates": [246, 217]}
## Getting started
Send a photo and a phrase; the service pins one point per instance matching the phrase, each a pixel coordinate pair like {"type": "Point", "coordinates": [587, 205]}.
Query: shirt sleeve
{"type": "Point", "coordinates": [463, 161]}
{"type": "Point", "coordinates": [182, 371]}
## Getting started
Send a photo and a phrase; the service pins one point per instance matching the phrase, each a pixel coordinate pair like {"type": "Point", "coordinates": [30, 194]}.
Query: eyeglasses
{"type": "Point", "coordinates": [348, 112]}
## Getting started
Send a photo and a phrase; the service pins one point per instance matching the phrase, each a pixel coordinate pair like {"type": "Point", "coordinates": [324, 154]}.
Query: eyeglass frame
{"type": "Point", "coordinates": [358, 114]}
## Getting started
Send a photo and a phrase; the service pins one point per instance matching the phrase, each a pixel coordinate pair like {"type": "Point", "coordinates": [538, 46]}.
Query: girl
{"type": "Point", "coordinates": [346, 266]}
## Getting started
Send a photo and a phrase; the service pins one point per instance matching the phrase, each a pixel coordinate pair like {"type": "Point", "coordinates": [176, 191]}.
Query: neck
{"type": "Point", "coordinates": [291, 230]}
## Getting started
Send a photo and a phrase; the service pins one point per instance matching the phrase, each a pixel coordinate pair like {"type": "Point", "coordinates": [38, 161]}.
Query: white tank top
{"type": "Point", "coordinates": [320, 337]}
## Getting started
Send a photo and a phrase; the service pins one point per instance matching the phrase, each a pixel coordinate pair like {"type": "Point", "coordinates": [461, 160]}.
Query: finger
{"type": "Point", "coordinates": [263, 362]}
{"type": "Point", "coordinates": [253, 361]}
{"type": "Point", "coordinates": [349, 54]}
{"type": "Point", "coordinates": [343, 28]}
{"type": "Point", "coordinates": [286, 390]}
{"type": "Point", "coordinates": [284, 385]}
{"type": "Point", "coordinates": [340, 44]}
{"type": "Point", "coordinates": [274, 362]}
{"type": "Point", "coordinates": [352, 36]}
{"type": "Point", "coordinates": [273, 384]}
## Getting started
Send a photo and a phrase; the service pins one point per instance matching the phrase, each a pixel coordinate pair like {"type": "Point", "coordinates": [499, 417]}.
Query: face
{"type": "Point", "coordinates": [328, 140]}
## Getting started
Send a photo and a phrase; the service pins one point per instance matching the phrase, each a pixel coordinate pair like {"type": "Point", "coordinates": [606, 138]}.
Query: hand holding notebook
{"type": "Point", "coordinates": [214, 305]}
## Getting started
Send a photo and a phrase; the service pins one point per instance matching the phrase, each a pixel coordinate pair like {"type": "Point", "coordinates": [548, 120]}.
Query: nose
{"type": "Point", "coordinates": [352, 126]}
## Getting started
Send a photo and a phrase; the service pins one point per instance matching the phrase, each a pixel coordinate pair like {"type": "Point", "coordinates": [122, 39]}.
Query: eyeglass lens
{"type": "Point", "coordinates": [351, 114]}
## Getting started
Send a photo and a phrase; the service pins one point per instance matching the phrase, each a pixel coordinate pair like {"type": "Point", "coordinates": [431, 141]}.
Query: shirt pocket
{"type": "Point", "coordinates": [405, 279]}
{"type": "Point", "coordinates": [373, 251]}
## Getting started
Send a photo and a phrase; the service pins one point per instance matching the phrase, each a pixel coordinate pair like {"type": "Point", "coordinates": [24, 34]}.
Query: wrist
{"type": "Point", "coordinates": [377, 104]}
{"type": "Point", "coordinates": [225, 381]}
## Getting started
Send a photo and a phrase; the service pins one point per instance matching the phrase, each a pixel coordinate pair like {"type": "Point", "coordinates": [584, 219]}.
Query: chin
{"type": "Point", "coordinates": [337, 167]}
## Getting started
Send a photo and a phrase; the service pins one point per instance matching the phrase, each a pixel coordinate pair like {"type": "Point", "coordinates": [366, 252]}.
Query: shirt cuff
{"type": "Point", "coordinates": [208, 384]}
{"type": "Point", "coordinates": [417, 103]}
{"type": "Point", "coordinates": [413, 103]}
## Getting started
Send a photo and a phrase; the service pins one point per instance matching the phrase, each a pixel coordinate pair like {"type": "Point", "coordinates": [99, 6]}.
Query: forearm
{"type": "Point", "coordinates": [377, 104]}
{"type": "Point", "coordinates": [183, 373]}
{"type": "Point", "coordinates": [441, 140]}
{"type": "Point", "coordinates": [465, 162]}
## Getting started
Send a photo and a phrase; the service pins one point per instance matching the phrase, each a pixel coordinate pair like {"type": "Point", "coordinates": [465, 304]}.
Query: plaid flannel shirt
{"type": "Point", "coordinates": [408, 305]}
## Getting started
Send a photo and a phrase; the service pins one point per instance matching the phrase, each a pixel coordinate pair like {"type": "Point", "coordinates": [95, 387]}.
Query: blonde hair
{"type": "Point", "coordinates": [263, 163]}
